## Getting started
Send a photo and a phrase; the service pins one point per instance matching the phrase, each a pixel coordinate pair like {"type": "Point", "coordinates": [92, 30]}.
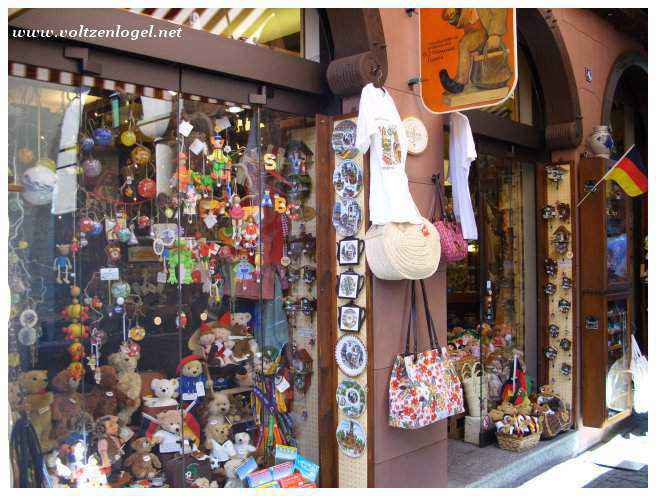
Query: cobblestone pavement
{"type": "Point", "coordinates": [621, 462]}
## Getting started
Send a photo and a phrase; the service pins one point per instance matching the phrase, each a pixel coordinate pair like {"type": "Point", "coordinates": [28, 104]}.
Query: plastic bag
{"type": "Point", "coordinates": [640, 373]}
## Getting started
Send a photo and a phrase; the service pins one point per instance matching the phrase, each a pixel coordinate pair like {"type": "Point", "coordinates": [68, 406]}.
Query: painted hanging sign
{"type": "Point", "coordinates": [468, 57]}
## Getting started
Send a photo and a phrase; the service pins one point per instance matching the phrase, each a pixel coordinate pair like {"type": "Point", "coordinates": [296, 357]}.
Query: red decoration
{"type": "Point", "coordinates": [147, 188]}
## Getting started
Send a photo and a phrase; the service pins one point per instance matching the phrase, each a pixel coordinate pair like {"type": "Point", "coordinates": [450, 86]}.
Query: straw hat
{"type": "Point", "coordinates": [401, 250]}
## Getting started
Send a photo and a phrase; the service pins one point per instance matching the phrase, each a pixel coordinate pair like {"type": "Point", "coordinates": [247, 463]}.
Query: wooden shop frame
{"type": "Point", "coordinates": [543, 243]}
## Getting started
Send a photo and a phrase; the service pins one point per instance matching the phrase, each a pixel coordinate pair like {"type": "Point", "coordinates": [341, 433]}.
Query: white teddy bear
{"type": "Point", "coordinates": [243, 445]}
{"type": "Point", "coordinates": [166, 392]}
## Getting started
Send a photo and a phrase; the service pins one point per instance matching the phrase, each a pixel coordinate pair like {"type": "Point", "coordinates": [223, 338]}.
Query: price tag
{"type": "Point", "coordinates": [161, 277]}
{"type": "Point", "coordinates": [185, 128]}
{"type": "Point", "coordinates": [200, 389]}
{"type": "Point", "coordinates": [109, 274]}
{"type": "Point", "coordinates": [306, 332]}
{"type": "Point", "coordinates": [221, 124]}
{"type": "Point", "coordinates": [197, 147]}
{"type": "Point", "coordinates": [282, 384]}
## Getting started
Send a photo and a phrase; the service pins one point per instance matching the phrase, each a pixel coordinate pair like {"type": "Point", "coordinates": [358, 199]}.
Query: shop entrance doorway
{"type": "Point", "coordinates": [492, 293]}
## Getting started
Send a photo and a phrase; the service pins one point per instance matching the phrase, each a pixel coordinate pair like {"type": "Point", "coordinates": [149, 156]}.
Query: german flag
{"type": "Point", "coordinates": [630, 173]}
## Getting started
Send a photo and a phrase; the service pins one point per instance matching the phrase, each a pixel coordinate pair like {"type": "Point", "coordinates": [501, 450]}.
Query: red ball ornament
{"type": "Point", "coordinates": [143, 221]}
{"type": "Point", "coordinates": [147, 188]}
{"type": "Point", "coordinates": [196, 276]}
{"type": "Point", "coordinates": [86, 224]}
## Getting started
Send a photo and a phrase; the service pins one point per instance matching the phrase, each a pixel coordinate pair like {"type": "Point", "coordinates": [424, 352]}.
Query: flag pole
{"type": "Point", "coordinates": [592, 190]}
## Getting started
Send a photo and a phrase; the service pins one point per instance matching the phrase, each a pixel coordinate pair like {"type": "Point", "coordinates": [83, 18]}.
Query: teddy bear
{"type": "Point", "coordinates": [219, 406]}
{"type": "Point", "coordinates": [204, 483]}
{"type": "Point", "coordinates": [142, 463]}
{"type": "Point", "coordinates": [243, 445]}
{"type": "Point", "coordinates": [37, 403]}
{"type": "Point", "coordinates": [129, 383]}
{"type": "Point", "coordinates": [192, 380]}
{"type": "Point", "coordinates": [213, 343]}
{"type": "Point", "coordinates": [103, 398]}
{"type": "Point", "coordinates": [230, 469]}
{"type": "Point", "coordinates": [170, 426]}
{"type": "Point", "coordinates": [68, 404]}
{"type": "Point", "coordinates": [166, 392]}
{"type": "Point", "coordinates": [217, 442]}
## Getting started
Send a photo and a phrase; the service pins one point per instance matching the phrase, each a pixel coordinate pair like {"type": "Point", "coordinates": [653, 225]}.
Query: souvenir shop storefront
{"type": "Point", "coordinates": [182, 314]}
{"type": "Point", "coordinates": [192, 303]}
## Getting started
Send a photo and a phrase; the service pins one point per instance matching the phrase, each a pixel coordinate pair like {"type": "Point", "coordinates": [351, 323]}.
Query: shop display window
{"type": "Point", "coordinates": [485, 294]}
{"type": "Point", "coordinates": [163, 298]}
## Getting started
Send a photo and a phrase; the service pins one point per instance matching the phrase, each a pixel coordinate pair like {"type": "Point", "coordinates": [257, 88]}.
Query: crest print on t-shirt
{"type": "Point", "coordinates": [390, 143]}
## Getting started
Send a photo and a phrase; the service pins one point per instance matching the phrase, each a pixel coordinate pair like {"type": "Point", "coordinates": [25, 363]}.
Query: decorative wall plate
{"type": "Point", "coordinates": [347, 217]}
{"type": "Point", "coordinates": [347, 179]}
{"type": "Point", "coordinates": [351, 398]}
{"type": "Point", "coordinates": [351, 355]}
{"type": "Point", "coordinates": [351, 438]}
{"type": "Point", "coordinates": [416, 134]}
{"type": "Point", "coordinates": [343, 139]}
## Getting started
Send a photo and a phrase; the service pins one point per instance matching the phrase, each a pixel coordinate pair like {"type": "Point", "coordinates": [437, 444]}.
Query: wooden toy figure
{"type": "Point", "coordinates": [237, 214]}
{"type": "Point", "coordinates": [62, 265]}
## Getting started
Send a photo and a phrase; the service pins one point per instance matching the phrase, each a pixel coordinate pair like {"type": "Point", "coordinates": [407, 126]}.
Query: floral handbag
{"type": "Point", "coordinates": [453, 245]}
{"type": "Point", "coordinates": [424, 387]}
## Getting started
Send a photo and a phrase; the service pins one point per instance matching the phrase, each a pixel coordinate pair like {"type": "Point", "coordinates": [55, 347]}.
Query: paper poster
{"type": "Point", "coordinates": [468, 57]}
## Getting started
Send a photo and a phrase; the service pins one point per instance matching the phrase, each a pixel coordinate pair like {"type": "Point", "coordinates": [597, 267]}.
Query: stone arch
{"type": "Point", "coordinates": [562, 110]}
{"type": "Point", "coordinates": [633, 64]}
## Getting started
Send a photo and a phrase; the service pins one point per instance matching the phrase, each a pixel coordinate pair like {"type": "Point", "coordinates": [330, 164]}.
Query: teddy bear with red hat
{"type": "Point", "coordinates": [192, 378]}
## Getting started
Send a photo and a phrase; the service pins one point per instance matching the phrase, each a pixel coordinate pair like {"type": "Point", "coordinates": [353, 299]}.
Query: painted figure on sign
{"type": "Point", "coordinates": [482, 56]}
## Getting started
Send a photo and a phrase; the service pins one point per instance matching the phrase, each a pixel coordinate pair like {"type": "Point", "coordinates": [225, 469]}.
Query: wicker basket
{"type": "Point", "coordinates": [473, 430]}
{"type": "Point", "coordinates": [474, 387]}
{"type": "Point", "coordinates": [519, 444]}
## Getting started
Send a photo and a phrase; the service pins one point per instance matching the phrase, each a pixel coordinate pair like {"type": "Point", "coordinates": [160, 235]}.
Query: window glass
{"type": "Point", "coordinates": [276, 28]}
{"type": "Point", "coordinates": [163, 281]}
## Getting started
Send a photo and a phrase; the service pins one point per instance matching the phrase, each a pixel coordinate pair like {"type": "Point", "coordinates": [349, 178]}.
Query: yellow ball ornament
{"type": "Point", "coordinates": [128, 138]}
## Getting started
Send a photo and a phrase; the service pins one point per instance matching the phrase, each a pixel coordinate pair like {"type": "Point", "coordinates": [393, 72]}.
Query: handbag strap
{"type": "Point", "coordinates": [438, 204]}
{"type": "Point", "coordinates": [412, 322]}
{"type": "Point", "coordinates": [432, 330]}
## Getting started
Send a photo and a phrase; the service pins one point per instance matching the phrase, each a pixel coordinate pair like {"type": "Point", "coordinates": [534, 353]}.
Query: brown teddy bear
{"type": "Point", "coordinates": [103, 399]}
{"type": "Point", "coordinates": [68, 406]}
{"type": "Point", "coordinates": [37, 403]}
{"type": "Point", "coordinates": [143, 464]}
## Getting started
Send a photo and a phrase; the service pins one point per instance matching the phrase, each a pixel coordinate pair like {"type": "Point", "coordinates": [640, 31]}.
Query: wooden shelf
{"type": "Point", "coordinates": [16, 188]}
{"type": "Point", "coordinates": [235, 390]}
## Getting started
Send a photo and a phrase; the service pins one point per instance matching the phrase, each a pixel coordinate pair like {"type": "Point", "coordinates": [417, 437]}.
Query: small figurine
{"type": "Point", "coordinates": [237, 214]}
{"type": "Point", "coordinates": [62, 265]}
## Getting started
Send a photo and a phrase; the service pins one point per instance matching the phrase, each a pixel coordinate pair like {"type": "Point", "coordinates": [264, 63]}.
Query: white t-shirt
{"type": "Point", "coordinates": [380, 128]}
{"type": "Point", "coordinates": [462, 152]}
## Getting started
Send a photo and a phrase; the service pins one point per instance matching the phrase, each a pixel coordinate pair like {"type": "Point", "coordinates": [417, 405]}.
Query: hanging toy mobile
{"type": "Point", "coordinates": [62, 265]}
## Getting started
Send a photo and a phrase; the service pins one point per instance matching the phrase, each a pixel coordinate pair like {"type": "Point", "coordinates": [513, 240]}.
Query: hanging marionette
{"type": "Point", "coordinates": [250, 234]}
{"type": "Point", "coordinates": [237, 214]}
{"type": "Point", "coordinates": [62, 265]}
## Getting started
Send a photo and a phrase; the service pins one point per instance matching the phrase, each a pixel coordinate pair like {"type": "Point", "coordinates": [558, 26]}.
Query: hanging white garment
{"type": "Point", "coordinates": [64, 195]}
{"type": "Point", "coordinates": [380, 128]}
{"type": "Point", "coordinates": [462, 152]}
